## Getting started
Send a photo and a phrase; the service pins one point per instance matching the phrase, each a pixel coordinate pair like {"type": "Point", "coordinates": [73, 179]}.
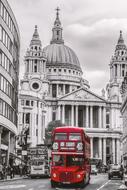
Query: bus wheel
{"type": "Point", "coordinates": [88, 179]}
{"type": "Point", "coordinates": [83, 183]}
{"type": "Point", "coordinates": [53, 184]}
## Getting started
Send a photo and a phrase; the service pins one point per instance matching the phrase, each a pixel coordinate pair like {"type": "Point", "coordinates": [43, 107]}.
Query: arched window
{"type": "Point", "coordinates": [35, 66]}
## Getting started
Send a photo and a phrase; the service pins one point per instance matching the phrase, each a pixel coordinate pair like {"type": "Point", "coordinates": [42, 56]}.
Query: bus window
{"type": "Point", "coordinates": [75, 136]}
{"type": "Point", "coordinates": [61, 136]}
{"type": "Point", "coordinates": [74, 160]}
{"type": "Point", "coordinates": [58, 160]}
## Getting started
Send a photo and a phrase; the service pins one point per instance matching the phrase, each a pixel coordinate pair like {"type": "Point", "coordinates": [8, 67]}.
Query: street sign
{"type": "Point", "coordinates": [24, 152]}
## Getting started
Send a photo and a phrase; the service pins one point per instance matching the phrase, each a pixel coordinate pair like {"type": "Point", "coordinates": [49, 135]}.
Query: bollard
{"type": "Point", "coordinates": [122, 187]}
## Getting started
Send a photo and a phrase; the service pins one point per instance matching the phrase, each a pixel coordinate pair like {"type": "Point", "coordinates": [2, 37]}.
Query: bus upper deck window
{"type": "Point", "coordinates": [60, 136]}
{"type": "Point", "coordinates": [75, 136]}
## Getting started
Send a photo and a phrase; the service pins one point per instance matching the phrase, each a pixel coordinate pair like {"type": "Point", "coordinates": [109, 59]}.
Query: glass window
{"type": "Point", "coordinates": [61, 136]}
{"type": "Point", "coordinates": [27, 102]}
{"type": "Point", "coordinates": [32, 103]}
{"type": "Point", "coordinates": [54, 90]}
{"type": "Point", "coordinates": [58, 160]}
{"type": "Point", "coordinates": [1, 106]}
{"type": "Point", "coordinates": [28, 118]}
{"type": "Point", "coordinates": [35, 67]}
{"type": "Point", "coordinates": [74, 160]}
{"type": "Point", "coordinates": [74, 136]}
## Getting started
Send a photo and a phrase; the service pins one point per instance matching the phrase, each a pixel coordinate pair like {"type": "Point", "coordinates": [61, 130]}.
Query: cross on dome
{"type": "Point", "coordinates": [57, 11]}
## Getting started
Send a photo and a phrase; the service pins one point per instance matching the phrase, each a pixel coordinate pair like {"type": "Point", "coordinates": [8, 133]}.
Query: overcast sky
{"type": "Point", "coordinates": [90, 27]}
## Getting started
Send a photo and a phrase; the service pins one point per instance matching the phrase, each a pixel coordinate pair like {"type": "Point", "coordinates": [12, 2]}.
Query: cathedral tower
{"type": "Point", "coordinates": [118, 69]}
{"type": "Point", "coordinates": [34, 89]}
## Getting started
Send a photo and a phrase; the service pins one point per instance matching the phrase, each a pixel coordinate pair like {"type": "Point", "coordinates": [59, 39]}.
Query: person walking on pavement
{"type": "Point", "coordinates": [5, 171]}
{"type": "Point", "coordinates": [1, 171]}
{"type": "Point", "coordinates": [10, 171]}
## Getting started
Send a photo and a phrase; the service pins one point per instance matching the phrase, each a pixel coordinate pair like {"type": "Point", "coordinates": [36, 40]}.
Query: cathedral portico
{"type": "Point", "coordinates": [83, 114]}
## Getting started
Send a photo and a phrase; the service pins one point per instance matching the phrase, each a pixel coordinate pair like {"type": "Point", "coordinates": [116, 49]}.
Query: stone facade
{"type": "Point", "coordinates": [124, 116]}
{"type": "Point", "coordinates": [9, 71]}
{"type": "Point", "coordinates": [66, 96]}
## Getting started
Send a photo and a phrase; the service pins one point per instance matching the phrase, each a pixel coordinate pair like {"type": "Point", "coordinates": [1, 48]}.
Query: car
{"type": "Point", "coordinates": [115, 171]}
{"type": "Point", "coordinates": [125, 178]}
{"type": "Point", "coordinates": [94, 169]}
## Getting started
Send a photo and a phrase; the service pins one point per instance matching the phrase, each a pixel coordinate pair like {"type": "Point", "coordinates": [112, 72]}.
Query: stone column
{"type": "Point", "coordinates": [63, 113]}
{"type": "Point", "coordinates": [72, 115]}
{"type": "Point", "coordinates": [100, 117]}
{"type": "Point", "coordinates": [91, 146]}
{"type": "Point", "coordinates": [120, 70]}
{"type": "Point", "coordinates": [1, 129]}
{"type": "Point", "coordinates": [63, 89]}
{"type": "Point", "coordinates": [104, 117]}
{"type": "Point", "coordinates": [58, 112]}
{"type": "Point", "coordinates": [100, 147]}
{"type": "Point", "coordinates": [57, 90]}
{"type": "Point", "coordinates": [51, 90]}
{"type": "Point", "coordinates": [104, 151]}
{"type": "Point", "coordinates": [91, 116]}
{"type": "Point", "coordinates": [113, 150]}
{"type": "Point", "coordinates": [76, 115]}
{"type": "Point", "coordinates": [118, 151]}
{"type": "Point", "coordinates": [87, 117]}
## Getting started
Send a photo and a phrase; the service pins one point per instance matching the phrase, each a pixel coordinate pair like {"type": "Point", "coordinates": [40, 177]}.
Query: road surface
{"type": "Point", "coordinates": [98, 182]}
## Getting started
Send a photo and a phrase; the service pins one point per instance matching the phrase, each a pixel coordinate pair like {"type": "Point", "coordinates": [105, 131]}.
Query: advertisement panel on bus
{"type": "Point", "coordinates": [38, 161]}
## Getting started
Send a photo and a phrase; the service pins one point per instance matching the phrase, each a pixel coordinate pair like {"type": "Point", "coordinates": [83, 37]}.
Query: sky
{"type": "Point", "coordinates": [90, 27]}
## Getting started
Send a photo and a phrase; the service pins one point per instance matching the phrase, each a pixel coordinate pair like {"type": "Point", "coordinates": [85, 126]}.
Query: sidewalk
{"type": "Point", "coordinates": [17, 177]}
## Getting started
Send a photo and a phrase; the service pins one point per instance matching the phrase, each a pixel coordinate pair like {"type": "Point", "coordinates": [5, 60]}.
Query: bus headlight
{"type": "Point", "coordinates": [55, 146]}
{"type": "Point", "coordinates": [80, 146]}
{"type": "Point", "coordinates": [54, 174]}
{"type": "Point", "coordinates": [78, 175]}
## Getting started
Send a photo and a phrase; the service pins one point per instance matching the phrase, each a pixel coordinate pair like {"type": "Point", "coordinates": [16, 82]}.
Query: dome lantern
{"type": "Point", "coordinates": [57, 30]}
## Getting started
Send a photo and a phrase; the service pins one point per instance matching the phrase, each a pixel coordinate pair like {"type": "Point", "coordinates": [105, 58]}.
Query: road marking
{"type": "Point", "coordinates": [12, 186]}
{"type": "Point", "coordinates": [67, 189]}
{"type": "Point", "coordinates": [103, 185]}
{"type": "Point", "coordinates": [41, 186]}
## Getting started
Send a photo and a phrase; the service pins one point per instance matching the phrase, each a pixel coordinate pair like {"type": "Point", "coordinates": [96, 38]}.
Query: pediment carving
{"type": "Point", "coordinates": [82, 95]}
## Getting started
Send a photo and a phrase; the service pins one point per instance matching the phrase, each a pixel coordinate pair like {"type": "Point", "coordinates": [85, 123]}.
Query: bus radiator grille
{"type": "Point", "coordinates": [66, 177]}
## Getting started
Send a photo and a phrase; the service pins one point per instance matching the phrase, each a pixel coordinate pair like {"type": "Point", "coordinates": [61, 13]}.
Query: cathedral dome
{"type": "Point", "coordinates": [57, 53]}
{"type": "Point", "coordinates": [60, 54]}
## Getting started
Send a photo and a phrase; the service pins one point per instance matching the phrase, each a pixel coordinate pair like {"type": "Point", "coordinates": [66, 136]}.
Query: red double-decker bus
{"type": "Point", "coordinates": [70, 156]}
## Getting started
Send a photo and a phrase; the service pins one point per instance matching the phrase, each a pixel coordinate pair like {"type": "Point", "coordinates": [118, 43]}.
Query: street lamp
{"type": "Point", "coordinates": [25, 132]}
{"type": "Point", "coordinates": [23, 141]}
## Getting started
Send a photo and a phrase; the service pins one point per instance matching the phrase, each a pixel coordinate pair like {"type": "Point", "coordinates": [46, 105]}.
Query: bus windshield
{"type": "Point", "coordinates": [74, 136]}
{"type": "Point", "coordinates": [68, 160]}
{"type": "Point", "coordinates": [77, 160]}
{"type": "Point", "coordinates": [58, 160]}
{"type": "Point", "coordinates": [61, 136]}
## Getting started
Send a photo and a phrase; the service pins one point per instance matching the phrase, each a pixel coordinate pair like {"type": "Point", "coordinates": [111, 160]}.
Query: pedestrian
{"type": "Point", "coordinates": [20, 168]}
{"type": "Point", "coordinates": [1, 171]}
{"type": "Point", "coordinates": [11, 171]}
{"type": "Point", "coordinates": [5, 171]}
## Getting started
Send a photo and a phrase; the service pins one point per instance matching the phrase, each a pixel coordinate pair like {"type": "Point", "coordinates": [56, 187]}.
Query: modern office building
{"type": "Point", "coordinates": [9, 71]}
{"type": "Point", "coordinates": [65, 95]}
